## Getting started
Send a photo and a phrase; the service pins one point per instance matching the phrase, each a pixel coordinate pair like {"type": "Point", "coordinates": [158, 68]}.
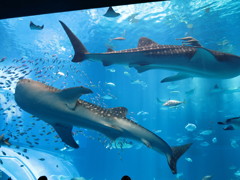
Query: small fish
{"type": "Point", "coordinates": [41, 159]}
{"type": "Point", "coordinates": [173, 103]}
{"type": "Point", "coordinates": [208, 177]}
{"type": "Point", "coordinates": [25, 150]}
{"type": "Point", "coordinates": [4, 153]}
{"type": "Point", "coordinates": [204, 144]}
{"type": "Point", "coordinates": [60, 73]}
{"type": "Point", "coordinates": [142, 83]}
{"type": "Point", "coordinates": [214, 140]}
{"type": "Point", "coordinates": [111, 70]}
{"type": "Point", "coordinates": [206, 132]}
{"type": "Point", "coordinates": [111, 84]}
{"type": "Point", "coordinates": [190, 127]}
{"type": "Point", "coordinates": [119, 38]}
{"type": "Point", "coordinates": [3, 59]}
{"type": "Point", "coordinates": [107, 97]}
{"type": "Point", "coordinates": [35, 27]}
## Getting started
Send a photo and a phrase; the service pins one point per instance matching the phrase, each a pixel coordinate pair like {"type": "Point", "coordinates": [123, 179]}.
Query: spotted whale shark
{"type": "Point", "coordinates": [63, 109]}
{"type": "Point", "coordinates": [189, 59]}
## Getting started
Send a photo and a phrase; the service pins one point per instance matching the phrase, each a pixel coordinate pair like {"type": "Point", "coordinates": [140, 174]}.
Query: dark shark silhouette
{"type": "Point", "coordinates": [231, 123]}
{"type": "Point", "coordinates": [63, 110]}
{"type": "Point", "coordinates": [189, 61]}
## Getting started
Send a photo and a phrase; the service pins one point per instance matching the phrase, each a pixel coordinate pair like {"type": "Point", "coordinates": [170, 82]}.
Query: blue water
{"type": "Point", "coordinates": [45, 56]}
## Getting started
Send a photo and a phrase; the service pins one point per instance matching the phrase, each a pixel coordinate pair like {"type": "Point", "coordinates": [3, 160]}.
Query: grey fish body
{"type": "Point", "coordinates": [189, 61]}
{"type": "Point", "coordinates": [63, 110]}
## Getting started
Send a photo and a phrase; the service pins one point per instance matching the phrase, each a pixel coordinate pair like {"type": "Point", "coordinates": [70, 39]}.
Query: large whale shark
{"type": "Point", "coordinates": [63, 109]}
{"type": "Point", "coordinates": [188, 61]}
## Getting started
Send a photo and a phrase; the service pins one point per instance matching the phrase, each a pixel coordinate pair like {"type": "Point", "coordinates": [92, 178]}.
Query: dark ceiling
{"type": "Point", "coordinates": [14, 8]}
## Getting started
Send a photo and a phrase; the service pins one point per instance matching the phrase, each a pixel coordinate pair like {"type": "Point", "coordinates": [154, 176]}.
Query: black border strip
{"type": "Point", "coordinates": [20, 8]}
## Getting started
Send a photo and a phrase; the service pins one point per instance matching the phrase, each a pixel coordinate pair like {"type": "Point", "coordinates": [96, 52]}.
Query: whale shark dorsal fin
{"type": "Point", "coordinates": [118, 111]}
{"type": "Point", "coordinates": [110, 50]}
{"type": "Point", "coordinates": [71, 95]}
{"type": "Point", "coordinates": [203, 56]}
{"type": "Point", "coordinates": [65, 133]}
{"type": "Point", "coordinates": [143, 41]}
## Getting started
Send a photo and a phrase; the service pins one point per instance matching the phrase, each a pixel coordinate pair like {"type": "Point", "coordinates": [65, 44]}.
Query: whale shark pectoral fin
{"type": "Point", "coordinates": [176, 77]}
{"type": "Point", "coordinates": [203, 56]}
{"type": "Point", "coordinates": [147, 143]}
{"type": "Point", "coordinates": [140, 68]}
{"type": "Point", "coordinates": [65, 133]}
{"type": "Point", "coordinates": [71, 95]}
{"type": "Point", "coordinates": [118, 111]}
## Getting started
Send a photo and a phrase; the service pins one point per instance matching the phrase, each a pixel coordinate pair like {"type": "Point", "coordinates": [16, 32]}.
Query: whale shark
{"type": "Point", "coordinates": [63, 109]}
{"type": "Point", "coordinates": [189, 59]}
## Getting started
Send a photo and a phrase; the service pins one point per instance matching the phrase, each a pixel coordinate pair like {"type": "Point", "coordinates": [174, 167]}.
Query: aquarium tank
{"type": "Point", "coordinates": [147, 90]}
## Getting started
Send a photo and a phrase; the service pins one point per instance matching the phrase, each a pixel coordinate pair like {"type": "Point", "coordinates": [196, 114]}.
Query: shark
{"type": "Point", "coordinates": [63, 109]}
{"type": "Point", "coordinates": [231, 123]}
{"type": "Point", "coordinates": [189, 59]}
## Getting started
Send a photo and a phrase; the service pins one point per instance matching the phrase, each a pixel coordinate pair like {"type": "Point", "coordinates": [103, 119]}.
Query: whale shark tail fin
{"type": "Point", "coordinates": [177, 152]}
{"type": "Point", "coordinates": [78, 47]}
